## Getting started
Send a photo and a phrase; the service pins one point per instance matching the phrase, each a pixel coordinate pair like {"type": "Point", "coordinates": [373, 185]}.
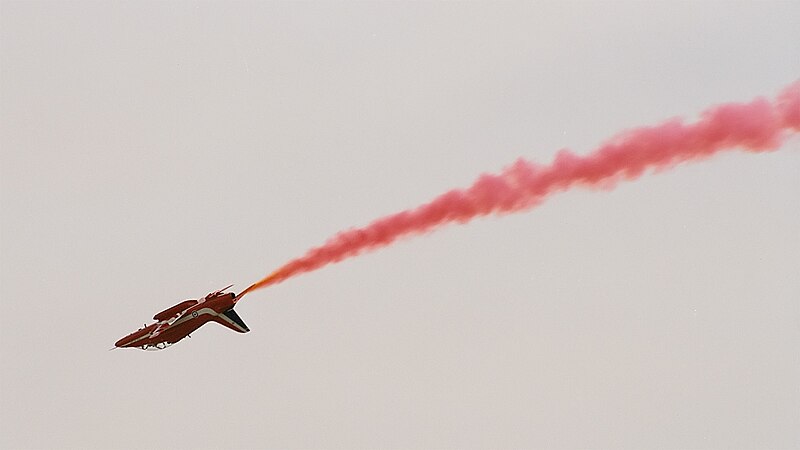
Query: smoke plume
{"type": "Point", "coordinates": [757, 126]}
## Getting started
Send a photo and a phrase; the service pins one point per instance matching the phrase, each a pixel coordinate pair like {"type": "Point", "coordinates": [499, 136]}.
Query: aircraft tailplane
{"type": "Point", "coordinates": [232, 320]}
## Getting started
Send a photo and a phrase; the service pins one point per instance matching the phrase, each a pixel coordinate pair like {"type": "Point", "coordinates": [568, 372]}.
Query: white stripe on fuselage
{"type": "Point", "coordinates": [208, 311]}
{"type": "Point", "coordinates": [145, 336]}
{"type": "Point", "coordinates": [183, 317]}
{"type": "Point", "coordinates": [188, 316]}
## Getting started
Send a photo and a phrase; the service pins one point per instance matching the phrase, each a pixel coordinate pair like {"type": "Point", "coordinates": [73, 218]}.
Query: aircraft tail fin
{"type": "Point", "coordinates": [232, 320]}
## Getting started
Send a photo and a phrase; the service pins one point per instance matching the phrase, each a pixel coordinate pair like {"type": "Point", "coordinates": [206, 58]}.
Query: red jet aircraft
{"type": "Point", "coordinates": [174, 324]}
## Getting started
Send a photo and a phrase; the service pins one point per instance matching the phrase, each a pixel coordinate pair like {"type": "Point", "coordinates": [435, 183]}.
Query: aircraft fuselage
{"type": "Point", "coordinates": [177, 322]}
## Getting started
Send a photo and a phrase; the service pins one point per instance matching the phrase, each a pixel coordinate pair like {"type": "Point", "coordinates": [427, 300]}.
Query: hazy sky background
{"type": "Point", "coordinates": [156, 151]}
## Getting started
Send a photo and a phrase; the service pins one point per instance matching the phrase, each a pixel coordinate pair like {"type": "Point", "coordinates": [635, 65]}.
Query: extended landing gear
{"type": "Point", "coordinates": [159, 346]}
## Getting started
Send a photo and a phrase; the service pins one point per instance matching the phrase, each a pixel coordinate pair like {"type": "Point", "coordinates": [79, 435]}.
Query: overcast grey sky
{"type": "Point", "coordinates": [156, 151]}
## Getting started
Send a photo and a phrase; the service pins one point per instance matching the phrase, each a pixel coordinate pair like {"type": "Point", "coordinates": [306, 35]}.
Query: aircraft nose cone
{"type": "Point", "coordinates": [129, 339]}
{"type": "Point", "coordinates": [123, 341]}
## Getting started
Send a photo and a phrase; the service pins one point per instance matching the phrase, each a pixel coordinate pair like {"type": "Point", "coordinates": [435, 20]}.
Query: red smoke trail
{"type": "Point", "coordinates": [757, 126]}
